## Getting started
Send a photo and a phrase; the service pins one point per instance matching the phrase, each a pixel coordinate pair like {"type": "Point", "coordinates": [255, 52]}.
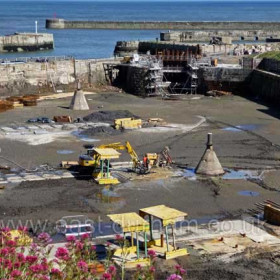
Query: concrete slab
{"type": "Point", "coordinates": [69, 127]}
{"type": "Point", "coordinates": [67, 175]}
{"type": "Point", "coordinates": [21, 128]}
{"type": "Point", "coordinates": [32, 177]}
{"type": "Point", "coordinates": [51, 176]}
{"type": "Point", "coordinates": [45, 126]}
{"type": "Point", "coordinates": [33, 127]}
{"type": "Point", "coordinates": [57, 126]}
{"type": "Point", "coordinates": [16, 179]}
{"type": "Point", "coordinates": [7, 129]}
{"type": "Point", "coordinates": [4, 182]}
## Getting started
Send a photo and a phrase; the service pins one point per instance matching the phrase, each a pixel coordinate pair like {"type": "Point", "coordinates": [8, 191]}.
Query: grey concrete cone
{"type": "Point", "coordinates": [79, 101]}
{"type": "Point", "coordinates": [209, 163]}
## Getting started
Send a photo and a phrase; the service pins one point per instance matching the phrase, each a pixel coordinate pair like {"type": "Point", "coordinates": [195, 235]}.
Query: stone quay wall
{"type": "Point", "coordinates": [18, 78]}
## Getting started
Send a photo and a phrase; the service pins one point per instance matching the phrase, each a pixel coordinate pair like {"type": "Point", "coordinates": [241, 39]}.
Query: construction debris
{"type": "Point", "coordinates": [209, 163]}
{"type": "Point", "coordinates": [108, 116]}
{"type": "Point", "coordinates": [62, 119]}
{"type": "Point", "coordinates": [215, 93]}
{"type": "Point", "coordinates": [127, 123]}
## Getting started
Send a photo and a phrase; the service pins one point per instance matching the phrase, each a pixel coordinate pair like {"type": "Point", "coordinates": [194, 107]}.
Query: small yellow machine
{"type": "Point", "coordinates": [101, 159]}
{"type": "Point", "coordinates": [135, 225]}
{"type": "Point", "coordinates": [127, 123]}
{"type": "Point", "coordinates": [168, 218]}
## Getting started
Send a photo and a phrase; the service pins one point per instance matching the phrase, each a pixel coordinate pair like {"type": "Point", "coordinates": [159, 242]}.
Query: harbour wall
{"type": "Point", "coordinates": [128, 48]}
{"type": "Point", "coordinates": [206, 36]}
{"type": "Point", "coordinates": [223, 78]}
{"type": "Point", "coordinates": [265, 81]}
{"type": "Point", "coordinates": [25, 42]}
{"type": "Point", "coordinates": [162, 25]}
{"type": "Point", "coordinates": [50, 74]}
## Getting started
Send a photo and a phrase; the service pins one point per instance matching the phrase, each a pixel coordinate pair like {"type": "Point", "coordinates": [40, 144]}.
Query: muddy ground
{"type": "Point", "coordinates": [246, 136]}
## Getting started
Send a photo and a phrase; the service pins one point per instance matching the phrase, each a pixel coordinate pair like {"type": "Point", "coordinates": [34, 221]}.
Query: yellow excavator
{"type": "Point", "coordinates": [141, 167]}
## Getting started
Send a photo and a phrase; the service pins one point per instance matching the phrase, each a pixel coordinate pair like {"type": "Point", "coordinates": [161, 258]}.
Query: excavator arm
{"type": "Point", "coordinates": [132, 153]}
{"type": "Point", "coordinates": [116, 146]}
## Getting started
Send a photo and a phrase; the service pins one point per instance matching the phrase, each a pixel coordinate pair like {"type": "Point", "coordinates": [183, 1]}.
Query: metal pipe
{"type": "Point", "coordinates": [166, 236]}
{"type": "Point", "coordinates": [137, 245]}
{"type": "Point", "coordinates": [151, 227]}
{"type": "Point", "coordinates": [209, 140]}
{"type": "Point", "coordinates": [145, 244]}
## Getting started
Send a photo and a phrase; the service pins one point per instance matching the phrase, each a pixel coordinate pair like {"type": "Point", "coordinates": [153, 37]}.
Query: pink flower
{"type": "Point", "coordinates": [79, 245]}
{"type": "Point", "coordinates": [139, 266]}
{"type": "Point", "coordinates": [177, 267]}
{"type": "Point", "coordinates": [174, 277]}
{"type": "Point", "coordinates": [31, 259]}
{"type": "Point", "coordinates": [112, 270]}
{"type": "Point", "coordinates": [17, 265]}
{"type": "Point", "coordinates": [71, 238]}
{"type": "Point", "coordinates": [152, 269]}
{"type": "Point", "coordinates": [21, 257]}
{"type": "Point", "coordinates": [15, 273]}
{"type": "Point", "coordinates": [82, 266]}
{"type": "Point", "coordinates": [8, 264]}
{"type": "Point", "coordinates": [55, 271]}
{"type": "Point", "coordinates": [62, 253]}
{"type": "Point", "coordinates": [182, 271]}
{"type": "Point", "coordinates": [152, 253]}
{"type": "Point", "coordinates": [106, 276]}
{"type": "Point", "coordinates": [11, 243]}
{"type": "Point", "coordinates": [36, 268]}
{"type": "Point", "coordinates": [93, 248]}
{"type": "Point", "coordinates": [44, 237]}
{"type": "Point", "coordinates": [4, 252]}
{"type": "Point", "coordinates": [22, 228]}
{"type": "Point", "coordinates": [5, 229]}
{"type": "Point", "coordinates": [85, 236]}
{"type": "Point", "coordinates": [118, 237]}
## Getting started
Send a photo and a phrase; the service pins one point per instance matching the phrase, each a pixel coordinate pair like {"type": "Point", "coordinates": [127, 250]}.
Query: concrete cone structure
{"type": "Point", "coordinates": [79, 101]}
{"type": "Point", "coordinates": [209, 163]}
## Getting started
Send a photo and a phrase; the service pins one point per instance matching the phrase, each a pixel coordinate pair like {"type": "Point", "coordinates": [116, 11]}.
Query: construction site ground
{"type": "Point", "coordinates": [246, 136]}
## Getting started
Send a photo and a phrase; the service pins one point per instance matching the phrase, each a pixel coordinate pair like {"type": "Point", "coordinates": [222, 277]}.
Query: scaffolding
{"type": "Point", "coordinates": [155, 80]}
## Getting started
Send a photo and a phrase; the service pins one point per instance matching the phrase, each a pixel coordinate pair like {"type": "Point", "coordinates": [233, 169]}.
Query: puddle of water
{"type": "Point", "coordinates": [249, 193]}
{"type": "Point", "coordinates": [83, 137]}
{"type": "Point", "coordinates": [65, 152]}
{"type": "Point", "coordinates": [190, 174]}
{"type": "Point", "coordinates": [241, 174]}
{"type": "Point", "coordinates": [240, 128]}
{"type": "Point", "coordinates": [108, 195]}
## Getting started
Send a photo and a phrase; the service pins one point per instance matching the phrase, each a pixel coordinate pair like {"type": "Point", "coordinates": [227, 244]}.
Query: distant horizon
{"type": "Point", "coordinates": [266, 1]}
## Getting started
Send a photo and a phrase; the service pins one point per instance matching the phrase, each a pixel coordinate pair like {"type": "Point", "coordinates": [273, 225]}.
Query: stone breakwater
{"type": "Point", "coordinates": [25, 42]}
{"type": "Point", "coordinates": [162, 25]}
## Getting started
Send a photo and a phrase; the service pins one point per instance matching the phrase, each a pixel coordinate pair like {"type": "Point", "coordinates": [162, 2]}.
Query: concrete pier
{"type": "Point", "coordinates": [25, 42]}
{"type": "Point", "coordinates": [235, 35]}
{"type": "Point", "coordinates": [162, 25]}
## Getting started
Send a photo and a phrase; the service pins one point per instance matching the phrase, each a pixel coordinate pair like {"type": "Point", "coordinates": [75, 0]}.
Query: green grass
{"type": "Point", "coordinates": [272, 55]}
